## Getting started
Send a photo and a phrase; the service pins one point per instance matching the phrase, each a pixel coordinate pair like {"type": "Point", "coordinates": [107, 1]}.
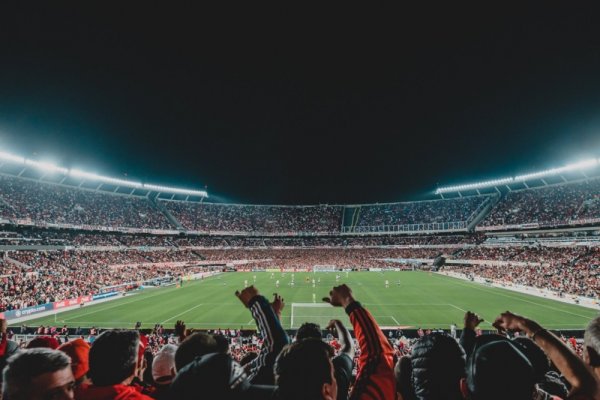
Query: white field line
{"type": "Point", "coordinates": [498, 292]}
{"type": "Point", "coordinates": [395, 320]}
{"type": "Point", "coordinates": [113, 305]}
{"type": "Point", "coordinates": [181, 313]}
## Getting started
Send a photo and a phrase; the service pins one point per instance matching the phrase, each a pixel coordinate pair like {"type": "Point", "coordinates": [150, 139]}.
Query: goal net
{"type": "Point", "coordinates": [318, 313]}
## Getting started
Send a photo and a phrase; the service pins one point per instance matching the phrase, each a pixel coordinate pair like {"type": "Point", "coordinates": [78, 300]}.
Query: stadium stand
{"type": "Point", "coordinates": [558, 205]}
{"type": "Point", "coordinates": [50, 203]}
{"type": "Point", "coordinates": [95, 250]}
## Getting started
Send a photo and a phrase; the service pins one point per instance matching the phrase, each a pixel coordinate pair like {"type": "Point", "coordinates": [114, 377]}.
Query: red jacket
{"type": "Point", "coordinates": [114, 392]}
{"type": "Point", "coordinates": [375, 379]}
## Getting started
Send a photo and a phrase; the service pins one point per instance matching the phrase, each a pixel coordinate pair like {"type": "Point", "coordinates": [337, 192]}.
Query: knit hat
{"type": "Point", "coordinates": [79, 351]}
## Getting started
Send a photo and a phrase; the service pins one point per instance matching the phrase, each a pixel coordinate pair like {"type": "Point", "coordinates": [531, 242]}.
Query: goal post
{"type": "Point", "coordinates": [318, 313]}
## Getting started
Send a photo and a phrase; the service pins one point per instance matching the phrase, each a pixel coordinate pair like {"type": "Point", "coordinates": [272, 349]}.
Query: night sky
{"type": "Point", "coordinates": [300, 106]}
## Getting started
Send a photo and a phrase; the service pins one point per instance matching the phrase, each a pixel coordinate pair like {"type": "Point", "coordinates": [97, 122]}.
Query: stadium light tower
{"type": "Point", "coordinates": [88, 176]}
{"type": "Point", "coordinates": [578, 166]}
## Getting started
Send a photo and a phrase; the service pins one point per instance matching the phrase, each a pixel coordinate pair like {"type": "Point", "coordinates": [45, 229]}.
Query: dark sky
{"type": "Point", "coordinates": [300, 106]}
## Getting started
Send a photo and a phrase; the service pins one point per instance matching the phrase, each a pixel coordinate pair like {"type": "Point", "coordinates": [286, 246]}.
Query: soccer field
{"type": "Point", "coordinates": [412, 300]}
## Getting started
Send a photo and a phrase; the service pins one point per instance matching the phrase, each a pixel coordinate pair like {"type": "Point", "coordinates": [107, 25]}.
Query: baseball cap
{"type": "Point", "coordinates": [163, 365]}
{"type": "Point", "coordinates": [79, 351]}
{"type": "Point", "coordinates": [498, 369]}
{"type": "Point", "coordinates": [218, 376]}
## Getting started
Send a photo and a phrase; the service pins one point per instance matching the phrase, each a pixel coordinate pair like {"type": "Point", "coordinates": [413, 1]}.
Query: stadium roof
{"type": "Point", "coordinates": [88, 176]}
{"type": "Point", "coordinates": [579, 166]}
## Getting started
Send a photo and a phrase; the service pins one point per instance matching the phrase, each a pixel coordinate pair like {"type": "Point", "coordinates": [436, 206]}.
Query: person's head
{"type": "Point", "coordinates": [403, 375]}
{"type": "Point", "coordinates": [438, 365]}
{"type": "Point", "coordinates": [163, 365]}
{"type": "Point", "coordinates": [78, 350]}
{"type": "Point", "coordinates": [47, 342]}
{"type": "Point", "coordinates": [536, 356]}
{"type": "Point", "coordinates": [303, 370]}
{"type": "Point", "coordinates": [38, 373]}
{"type": "Point", "coordinates": [309, 330]}
{"type": "Point", "coordinates": [222, 344]}
{"type": "Point", "coordinates": [498, 370]}
{"type": "Point", "coordinates": [216, 376]}
{"type": "Point", "coordinates": [591, 341]}
{"type": "Point", "coordinates": [114, 357]}
{"type": "Point", "coordinates": [195, 345]}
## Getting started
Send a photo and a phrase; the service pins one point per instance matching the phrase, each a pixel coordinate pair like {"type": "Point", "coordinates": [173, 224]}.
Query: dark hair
{"type": "Point", "coordinates": [302, 368]}
{"type": "Point", "coordinates": [535, 355]}
{"type": "Point", "coordinates": [195, 345]}
{"type": "Point", "coordinates": [113, 357]}
{"type": "Point", "coordinates": [222, 344]}
{"type": "Point", "coordinates": [499, 370]}
{"type": "Point", "coordinates": [403, 375]}
{"type": "Point", "coordinates": [25, 365]}
{"type": "Point", "coordinates": [309, 330]}
{"type": "Point", "coordinates": [438, 364]}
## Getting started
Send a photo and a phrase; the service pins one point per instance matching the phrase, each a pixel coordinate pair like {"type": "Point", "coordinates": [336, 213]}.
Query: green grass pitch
{"type": "Point", "coordinates": [413, 299]}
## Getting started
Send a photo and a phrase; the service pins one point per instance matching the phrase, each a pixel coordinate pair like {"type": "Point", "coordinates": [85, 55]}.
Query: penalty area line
{"type": "Point", "coordinates": [181, 313]}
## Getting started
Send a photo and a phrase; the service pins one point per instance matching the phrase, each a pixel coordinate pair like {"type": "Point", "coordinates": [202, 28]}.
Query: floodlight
{"type": "Point", "coordinates": [12, 158]}
{"type": "Point", "coordinates": [76, 173]}
{"type": "Point", "coordinates": [581, 165]}
{"type": "Point", "coordinates": [45, 166]}
{"type": "Point", "coordinates": [158, 188]}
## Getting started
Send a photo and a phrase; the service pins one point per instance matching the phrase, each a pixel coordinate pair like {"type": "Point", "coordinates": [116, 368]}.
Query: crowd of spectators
{"type": "Point", "coordinates": [421, 212]}
{"type": "Point", "coordinates": [522, 361]}
{"type": "Point", "coordinates": [52, 237]}
{"type": "Point", "coordinates": [565, 270]}
{"type": "Point", "coordinates": [303, 259]}
{"type": "Point", "coordinates": [548, 206]}
{"type": "Point", "coordinates": [248, 218]}
{"type": "Point", "coordinates": [49, 203]}
{"type": "Point", "coordinates": [44, 277]}
{"type": "Point", "coordinates": [529, 254]}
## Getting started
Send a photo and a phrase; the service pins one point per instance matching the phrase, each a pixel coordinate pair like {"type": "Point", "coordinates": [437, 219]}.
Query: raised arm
{"type": "Point", "coordinates": [375, 379]}
{"type": "Point", "coordinates": [582, 380]}
{"type": "Point", "coordinates": [467, 337]}
{"type": "Point", "coordinates": [269, 326]}
{"type": "Point", "coordinates": [343, 334]}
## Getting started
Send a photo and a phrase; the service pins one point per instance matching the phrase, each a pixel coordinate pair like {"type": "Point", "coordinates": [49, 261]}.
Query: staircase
{"type": "Point", "coordinates": [160, 207]}
{"type": "Point", "coordinates": [482, 211]}
{"type": "Point", "coordinates": [350, 219]}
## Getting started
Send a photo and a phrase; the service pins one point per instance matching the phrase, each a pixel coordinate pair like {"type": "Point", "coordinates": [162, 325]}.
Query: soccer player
{"type": "Point", "coordinates": [254, 277]}
{"type": "Point", "coordinates": [245, 283]}
{"type": "Point", "coordinates": [337, 278]}
{"type": "Point", "coordinates": [387, 283]}
{"type": "Point", "coordinates": [277, 283]}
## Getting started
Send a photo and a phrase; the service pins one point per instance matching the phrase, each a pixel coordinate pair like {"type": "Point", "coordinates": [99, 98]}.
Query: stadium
{"type": "Point", "coordinates": [259, 208]}
{"type": "Point", "coordinates": [162, 254]}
